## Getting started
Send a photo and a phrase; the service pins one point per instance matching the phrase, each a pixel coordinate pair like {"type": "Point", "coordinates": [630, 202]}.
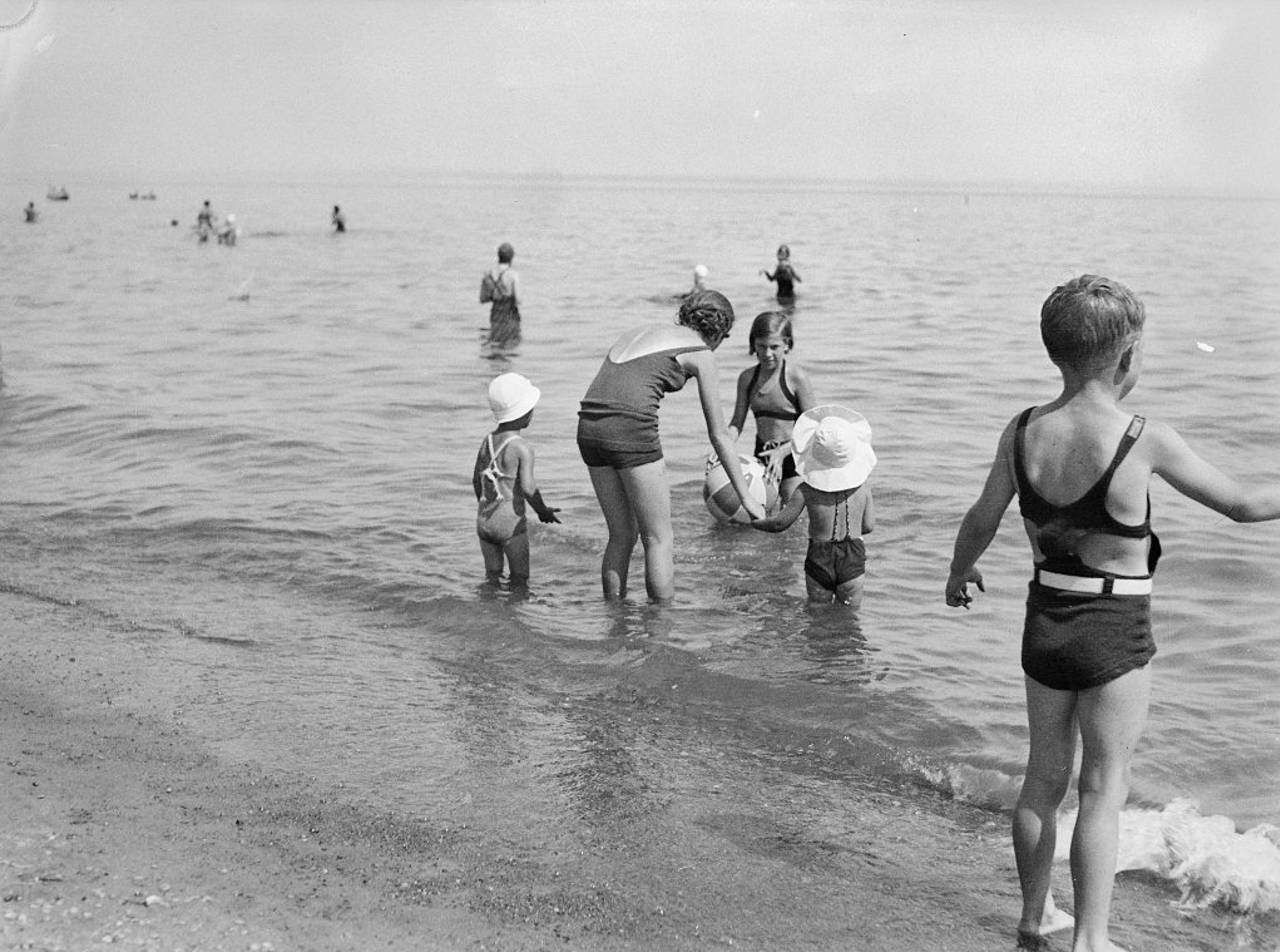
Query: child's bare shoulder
{"type": "Point", "coordinates": [1159, 438]}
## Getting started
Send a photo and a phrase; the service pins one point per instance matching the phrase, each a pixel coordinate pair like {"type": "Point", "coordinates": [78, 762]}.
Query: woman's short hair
{"type": "Point", "coordinates": [707, 312]}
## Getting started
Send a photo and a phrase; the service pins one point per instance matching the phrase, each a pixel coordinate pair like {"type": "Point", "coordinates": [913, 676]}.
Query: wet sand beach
{"type": "Point", "coordinates": [121, 827]}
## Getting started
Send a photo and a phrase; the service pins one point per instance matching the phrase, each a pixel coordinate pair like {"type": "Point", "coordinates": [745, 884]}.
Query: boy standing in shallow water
{"type": "Point", "coordinates": [833, 458]}
{"type": "Point", "coordinates": [1081, 468]}
{"type": "Point", "coordinates": [503, 481]}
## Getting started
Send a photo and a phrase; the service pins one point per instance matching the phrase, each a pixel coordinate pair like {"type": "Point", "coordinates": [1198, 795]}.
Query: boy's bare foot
{"type": "Point", "coordinates": [1053, 920]}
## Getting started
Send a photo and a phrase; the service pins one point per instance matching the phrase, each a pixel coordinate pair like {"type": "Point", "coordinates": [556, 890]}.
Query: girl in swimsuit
{"type": "Point", "coordinates": [835, 459]}
{"type": "Point", "coordinates": [503, 481]}
{"type": "Point", "coordinates": [618, 436]}
{"type": "Point", "coordinates": [777, 392]}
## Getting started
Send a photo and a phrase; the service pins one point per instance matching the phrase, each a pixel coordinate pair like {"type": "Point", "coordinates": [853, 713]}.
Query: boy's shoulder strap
{"type": "Point", "coordinates": [1130, 437]}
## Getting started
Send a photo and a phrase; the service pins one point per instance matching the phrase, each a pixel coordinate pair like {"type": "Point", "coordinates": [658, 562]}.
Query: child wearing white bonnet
{"type": "Point", "coordinates": [832, 446]}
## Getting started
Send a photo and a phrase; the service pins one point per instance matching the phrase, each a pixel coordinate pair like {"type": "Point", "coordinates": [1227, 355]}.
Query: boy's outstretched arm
{"type": "Point", "coordinates": [783, 518]}
{"type": "Point", "coordinates": [528, 486]}
{"type": "Point", "coordinates": [1197, 479]}
{"type": "Point", "coordinates": [980, 524]}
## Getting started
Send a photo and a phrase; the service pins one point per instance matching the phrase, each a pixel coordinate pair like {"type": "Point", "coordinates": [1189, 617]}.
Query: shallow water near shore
{"type": "Point", "coordinates": [261, 457]}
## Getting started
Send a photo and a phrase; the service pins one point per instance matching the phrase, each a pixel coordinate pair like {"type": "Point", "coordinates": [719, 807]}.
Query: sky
{"type": "Point", "coordinates": [1151, 94]}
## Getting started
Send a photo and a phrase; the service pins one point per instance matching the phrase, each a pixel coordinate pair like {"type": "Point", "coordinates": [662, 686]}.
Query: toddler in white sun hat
{"type": "Point", "coordinates": [832, 446]}
{"type": "Point", "coordinates": [503, 481]}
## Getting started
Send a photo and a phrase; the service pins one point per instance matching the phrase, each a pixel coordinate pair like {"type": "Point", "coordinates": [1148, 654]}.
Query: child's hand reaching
{"type": "Point", "coordinates": [545, 513]}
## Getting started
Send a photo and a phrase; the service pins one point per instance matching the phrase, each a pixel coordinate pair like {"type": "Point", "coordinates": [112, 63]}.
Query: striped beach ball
{"type": "Point", "coordinates": [719, 495]}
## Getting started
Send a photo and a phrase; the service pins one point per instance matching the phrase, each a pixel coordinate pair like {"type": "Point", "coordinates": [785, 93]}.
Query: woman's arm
{"type": "Point", "coordinates": [741, 404]}
{"type": "Point", "coordinates": [701, 364]}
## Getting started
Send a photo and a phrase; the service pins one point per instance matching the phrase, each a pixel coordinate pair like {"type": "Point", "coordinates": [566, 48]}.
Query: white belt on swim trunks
{"type": "Point", "coordinates": [1094, 586]}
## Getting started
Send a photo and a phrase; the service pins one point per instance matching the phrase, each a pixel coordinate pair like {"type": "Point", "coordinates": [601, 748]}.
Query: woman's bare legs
{"type": "Point", "coordinates": [621, 523]}
{"type": "Point", "coordinates": [649, 494]}
{"type": "Point", "coordinates": [636, 503]}
{"type": "Point", "coordinates": [1112, 718]}
{"type": "Point", "coordinates": [1051, 719]}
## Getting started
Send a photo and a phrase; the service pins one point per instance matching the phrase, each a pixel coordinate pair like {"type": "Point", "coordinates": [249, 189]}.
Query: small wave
{"type": "Point", "coordinates": [1211, 863]}
{"type": "Point", "coordinates": [1204, 856]}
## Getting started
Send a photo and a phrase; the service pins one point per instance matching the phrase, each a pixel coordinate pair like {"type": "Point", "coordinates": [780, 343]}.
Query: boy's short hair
{"type": "Point", "coordinates": [505, 253]}
{"type": "Point", "coordinates": [707, 312]}
{"type": "Point", "coordinates": [1089, 319]}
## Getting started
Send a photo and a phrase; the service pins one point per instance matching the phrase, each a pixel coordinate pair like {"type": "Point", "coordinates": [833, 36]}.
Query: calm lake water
{"type": "Point", "coordinates": [269, 447]}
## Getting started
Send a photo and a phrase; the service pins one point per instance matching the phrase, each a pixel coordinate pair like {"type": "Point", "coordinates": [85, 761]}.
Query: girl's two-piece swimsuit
{"type": "Point", "coordinates": [768, 453]}
{"type": "Point", "coordinates": [1083, 627]}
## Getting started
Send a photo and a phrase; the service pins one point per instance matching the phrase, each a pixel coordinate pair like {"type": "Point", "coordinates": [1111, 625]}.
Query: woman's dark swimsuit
{"type": "Point", "coordinates": [618, 420]}
{"type": "Point", "coordinates": [789, 412]}
{"type": "Point", "coordinates": [832, 562]}
{"type": "Point", "coordinates": [1073, 641]}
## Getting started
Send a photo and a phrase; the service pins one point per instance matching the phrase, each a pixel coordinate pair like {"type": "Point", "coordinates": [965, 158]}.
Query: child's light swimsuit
{"type": "Point", "coordinates": [500, 515]}
{"type": "Point", "coordinates": [832, 562]}
{"type": "Point", "coordinates": [1073, 641]}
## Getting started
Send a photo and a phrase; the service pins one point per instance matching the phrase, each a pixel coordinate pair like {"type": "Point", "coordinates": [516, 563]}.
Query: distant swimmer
{"type": "Point", "coordinates": [700, 275]}
{"type": "Point", "coordinates": [29, 214]}
{"type": "Point", "coordinates": [204, 221]}
{"type": "Point", "coordinates": [339, 220]}
{"type": "Point", "coordinates": [500, 288]}
{"type": "Point", "coordinates": [229, 231]}
{"type": "Point", "coordinates": [784, 276]}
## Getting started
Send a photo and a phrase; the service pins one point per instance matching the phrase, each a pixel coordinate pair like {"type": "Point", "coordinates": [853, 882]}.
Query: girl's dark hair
{"type": "Point", "coordinates": [707, 312]}
{"type": "Point", "coordinates": [771, 322]}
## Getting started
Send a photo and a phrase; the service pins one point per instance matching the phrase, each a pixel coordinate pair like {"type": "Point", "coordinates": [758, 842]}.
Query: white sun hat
{"type": "Point", "coordinates": [511, 396]}
{"type": "Point", "coordinates": [833, 448]}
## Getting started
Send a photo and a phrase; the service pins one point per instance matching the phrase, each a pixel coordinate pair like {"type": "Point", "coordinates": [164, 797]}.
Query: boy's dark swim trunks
{"type": "Point", "coordinates": [1072, 642]}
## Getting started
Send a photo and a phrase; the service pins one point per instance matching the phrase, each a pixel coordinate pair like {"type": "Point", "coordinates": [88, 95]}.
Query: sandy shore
{"type": "Point", "coordinates": [119, 828]}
